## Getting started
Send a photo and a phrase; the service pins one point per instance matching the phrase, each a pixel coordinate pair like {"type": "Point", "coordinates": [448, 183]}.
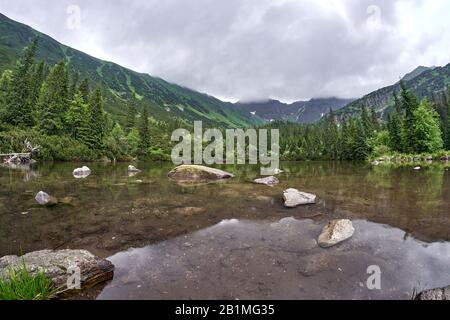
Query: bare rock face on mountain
{"type": "Point", "coordinates": [60, 265]}
{"type": "Point", "coordinates": [196, 173]}
{"type": "Point", "coordinates": [435, 294]}
{"type": "Point", "coordinates": [335, 232]}
{"type": "Point", "coordinates": [294, 198]}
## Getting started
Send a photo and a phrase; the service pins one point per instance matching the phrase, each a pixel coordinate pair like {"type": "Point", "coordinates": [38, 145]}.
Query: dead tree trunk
{"type": "Point", "coordinates": [21, 158]}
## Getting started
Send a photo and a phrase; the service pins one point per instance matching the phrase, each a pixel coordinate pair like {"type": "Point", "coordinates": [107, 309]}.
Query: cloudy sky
{"type": "Point", "coordinates": [253, 49]}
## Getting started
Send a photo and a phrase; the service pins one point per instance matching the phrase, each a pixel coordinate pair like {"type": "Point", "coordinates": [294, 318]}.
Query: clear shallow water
{"type": "Point", "coordinates": [402, 221]}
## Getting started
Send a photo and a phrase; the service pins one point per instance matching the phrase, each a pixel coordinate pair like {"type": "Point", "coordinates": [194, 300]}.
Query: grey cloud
{"type": "Point", "coordinates": [245, 50]}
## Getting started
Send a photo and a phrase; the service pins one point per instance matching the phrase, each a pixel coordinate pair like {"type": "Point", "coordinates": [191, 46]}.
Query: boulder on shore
{"type": "Point", "coordinates": [196, 173]}
{"type": "Point", "coordinates": [44, 199]}
{"type": "Point", "coordinates": [81, 173]}
{"type": "Point", "coordinates": [60, 265]}
{"type": "Point", "coordinates": [435, 294]}
{"type": "Point", "coordinates": [293, 198]}
{"type": "Point", "coordinates": [335, 232]}
{"type": "Point", "coordinates": [268, 181]}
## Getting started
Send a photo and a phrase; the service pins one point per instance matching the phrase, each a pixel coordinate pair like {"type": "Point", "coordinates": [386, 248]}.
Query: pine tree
{"type": "Point", "coordinates": [427, 129]}
{"type": "Point", "coordinates": [447, 142]}
{"type": "Point", "coordinates": [74, 84]}
{"type": "Point", "coordinates": [366, 123]}
{"type": "Point", "coordinates": [331, 137]}
{"type": "Point", "coordinates": [394, 127]}
{"type": "Point", "coordinates": [144, 133]}
{"type": "Point", "coordinates": [77, 117]}
{"type": "Point", "coordinates": [38, 78]}
{"type": "Point", "coordinates": [85, 90]}
{"type": "Point", "coordinates": [5, 89]}
{"type": "Point", "coordinates": [97, 121]}
{"type": "Point", "coordinates": [131, 113]}
{"type": "Point", "coordinates": [19, 100]}
{"type": "Point", "coordinates": [54, 101]}
{"type": "Point", "coordinates": [374, 120]}
{"type": "Point", "coordinates": [409, 106]}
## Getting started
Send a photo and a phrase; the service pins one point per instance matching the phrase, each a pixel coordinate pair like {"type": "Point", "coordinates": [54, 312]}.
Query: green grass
{"type": "Point", "coordinates": [20, 284]}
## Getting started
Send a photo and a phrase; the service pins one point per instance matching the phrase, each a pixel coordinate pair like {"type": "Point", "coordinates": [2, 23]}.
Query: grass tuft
{"type": "Point", "coordinates": [20, 284]}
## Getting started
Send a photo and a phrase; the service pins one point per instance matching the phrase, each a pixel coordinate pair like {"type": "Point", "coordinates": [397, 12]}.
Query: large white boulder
{"type": "Point", "coordinates": [81, 173]}
{"type": "Point", "coordinates": [196, 173]}
{"type": "Point", "coordinates": [268, 181]}
{"type": "Point", "coordinates": [44, 199]}
{"type": "Point", "coordinates": [293, 198]}
{"type": "Point", "coordinates": [335, 232]}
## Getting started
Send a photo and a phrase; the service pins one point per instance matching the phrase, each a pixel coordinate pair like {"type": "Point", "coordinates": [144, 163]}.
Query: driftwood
{"type": "Point", "coordinates": [21, 158]}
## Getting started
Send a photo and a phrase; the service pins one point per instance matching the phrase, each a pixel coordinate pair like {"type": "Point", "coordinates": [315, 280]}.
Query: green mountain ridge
{"type": "Point", "coordinates": [423, 82]}
{"type": "Point", "coordinates": [166, 100]}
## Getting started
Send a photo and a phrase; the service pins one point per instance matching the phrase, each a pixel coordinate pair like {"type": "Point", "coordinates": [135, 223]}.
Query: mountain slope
{"type": "Point", "coordinates": [166, 100]}
{"type": "Point", "coordinates": [423, 82]}
{"type": "Point", "coordinates": [300, 111]}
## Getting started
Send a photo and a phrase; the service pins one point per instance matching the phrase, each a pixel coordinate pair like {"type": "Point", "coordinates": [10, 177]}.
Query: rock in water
{"type": "Point", "coordinates": [133, 169]}
{"type": "Point", "coordinates": [293, 198]}
{"type": "Point", "coordinates": [44, 199]}
{"type": "Point", "coordinates": [335, 232]}
{"type": "Point", "coordinates": [435, 294]}
{"type": "Point", "coordinates": [81, 173]}
{"type": "Point", "coordinates": [195, 173]}
{"type": "Point", "coordinates": [268, 181]}
{"type": "Point", "coordinates": [417, 168]}
{"type": "Point", "coordinates": [60, 265]}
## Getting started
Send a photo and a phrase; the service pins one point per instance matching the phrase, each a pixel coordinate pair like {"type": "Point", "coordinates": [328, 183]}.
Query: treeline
{"type": "Point", "coordinates": [412, 128]}
{"type": "Point", "coordinates": [64, 115]}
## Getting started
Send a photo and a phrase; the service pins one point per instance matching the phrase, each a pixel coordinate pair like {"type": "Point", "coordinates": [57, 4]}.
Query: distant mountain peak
{"type": "Point", "coordinates": [416, 72]}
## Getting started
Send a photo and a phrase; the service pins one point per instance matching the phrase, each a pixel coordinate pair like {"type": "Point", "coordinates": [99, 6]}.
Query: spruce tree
{"type": "Point", "coordinates": [447, 142]}
{"type": "Point", "coordinates": [394, 127]}
{"type": "Point", "coordinates": [427, 128]}
{"type": "Point", "coordinates": [144, 133]}
{"type": "Point", "coordinates": [374, 120]}
{"type": "Point", "coordinates": [97, 121]}
{"type": "Point", "coordinates": [5, 89]}
{"type": "Point", "coordinates": [77, 119]}
{"type": "Point", "coordinates": [366, 122]}
{"type": "Point", "coordinates": [409, 106]}
{"type": "Point", "coordinates": [131, 113]}
{"type": "Point", "coordinates": [85, 90]}
{"type": "Point", "coordinates": [19, 100]}
{"type": "Point", "coordinates": [54, 101]}
{"type": "Point", "coordinates": [74, 84]}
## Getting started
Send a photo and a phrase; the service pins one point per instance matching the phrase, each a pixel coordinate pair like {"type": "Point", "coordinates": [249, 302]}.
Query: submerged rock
{"type": "Point", "coordinates": [417, 168]}
{"type": "Point", "coordinates": [196, 173]}
{"type": "Point", "coordinates": [81, 173]}
{"type": "Point", "coordinates": [60, 265]}
{"type": "Point", "coordinates": [435, 294]}
{"type": "Point", "coordinates": [44, 199]}
{"type": "Point", "coordinates": [268, 181]}
{"type": "Point", "coordinates": [133, 169]}
{"type": "Point", "coordinates": [335, 232]}
{"type": "Point", "coordinates": [293, 198]}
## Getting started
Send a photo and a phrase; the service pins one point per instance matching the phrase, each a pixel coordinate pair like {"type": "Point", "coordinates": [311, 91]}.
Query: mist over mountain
{"type": "Point", "coordinates": [299, 111]}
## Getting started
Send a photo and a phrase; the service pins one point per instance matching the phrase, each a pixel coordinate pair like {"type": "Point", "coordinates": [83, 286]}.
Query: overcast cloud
{"type": "Point", "coordinates": [253, 49]}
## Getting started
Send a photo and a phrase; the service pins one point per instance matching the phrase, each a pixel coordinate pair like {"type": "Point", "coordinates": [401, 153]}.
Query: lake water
{"type": "Point", "coordinates": [234, 239]}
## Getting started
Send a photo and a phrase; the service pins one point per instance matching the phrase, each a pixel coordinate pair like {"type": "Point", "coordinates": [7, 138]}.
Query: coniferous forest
{"type": "Point", "coordinates": [65, 114]}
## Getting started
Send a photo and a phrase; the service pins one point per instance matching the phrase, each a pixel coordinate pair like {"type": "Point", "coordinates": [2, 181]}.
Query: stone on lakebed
{"type": "Point", "coordinates": [57, 265]}
{"type": "Point", "coordinates": [293, 198]}
{"type": "Point", "coordinates": [195, 173]}
{"type": "Point", "coordinates": [335, 232]}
